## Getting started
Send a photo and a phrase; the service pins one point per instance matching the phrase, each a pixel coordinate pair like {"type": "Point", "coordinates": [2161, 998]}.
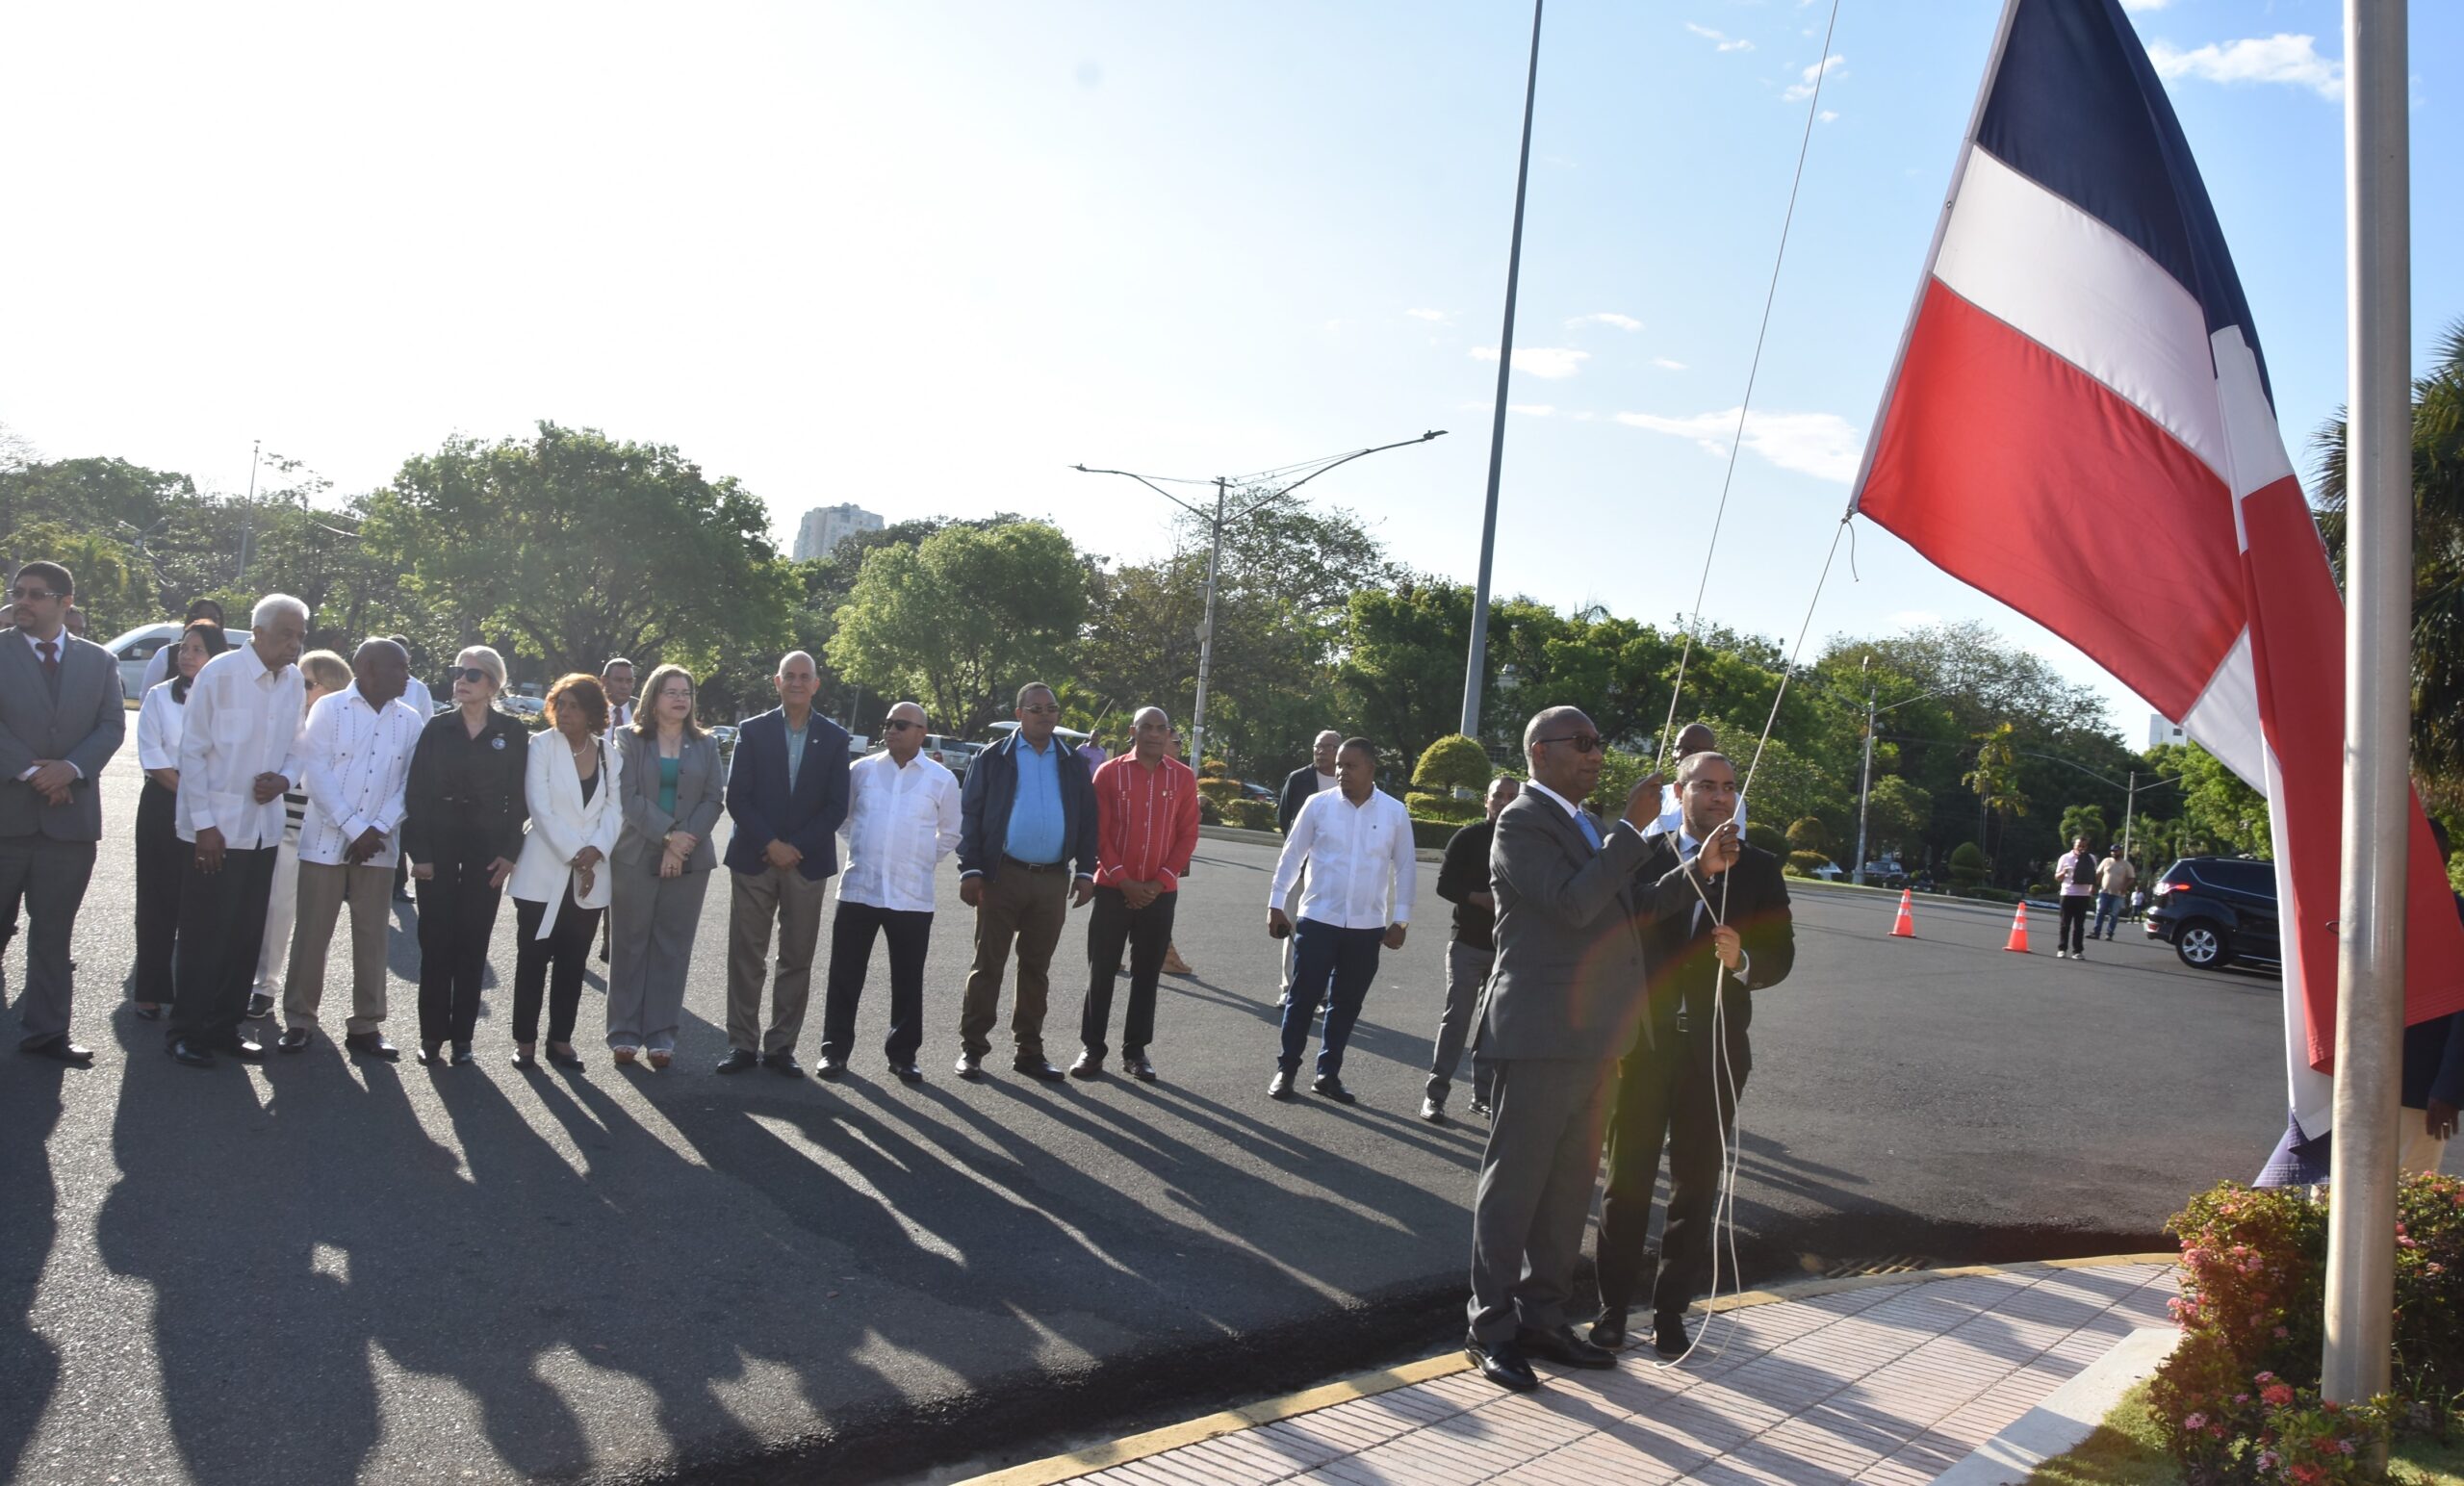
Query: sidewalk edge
{"type": "Point", "coordinates": [1054, 1468]}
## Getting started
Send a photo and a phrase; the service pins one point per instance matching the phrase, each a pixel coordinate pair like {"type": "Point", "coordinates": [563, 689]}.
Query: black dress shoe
{"type": "Point", "coordinates": [970, 1066]}
{"type": "Point", "coordinates": [1088, 1066]}
{"type": "Point", "coordinates": [782, 1063]}
{"type": "Point", "coordinates": [1138, 1066]}
{"type": "Point", "coordinates": [152, 1013]}
{"type": "Point", "coordinates": [1037, 1068]}
{"type": "Point", "coordinates": [568, 1058]}
{"type": "Point", "coordinates": [1332, 1087]}
{"type": "Point", "coordinates": [1280, 1086]}
{"type": "Point", "coordinates": [1608, 1331]}
{"type": "Point", "coordinates": [372, 1044]}
{"type": "Point", "coordinates": [907, 1072]}
{"type": "Point", "coordinates": [1562, 1346]}
{"type": "Point", "coordinates": [243, 1048]}
{"type": "Point", "coordinates": [1478, 1108]}
{"type": "Point", "coordinates": [527, 1062]}
{"type": "Point", "coordinates": [1503, 1365]}
{"type": "Point", "coordinates": [830, 1067]}
{"type": "Point", "coordinates": [260, 1006]}
{"type": "Point", "coordinates": [1668, 1336]}
{"type": "Point", "coordinates": [430, 1054]}
{"type": "Point", "coordinates": [192, 1054]}
{"type": "Point", "coordinates": [60, 1050]}
{"type": "Point", "coordinates": [293, 1040]}
{"type": "Point", "coordinates": [737, 1060]}
{"type": "Point", "coordinates": [462, 1057]}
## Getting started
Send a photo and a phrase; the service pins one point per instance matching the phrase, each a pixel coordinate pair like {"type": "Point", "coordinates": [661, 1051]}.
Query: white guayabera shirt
{"type": "Point", "coordinates": [243, 720]}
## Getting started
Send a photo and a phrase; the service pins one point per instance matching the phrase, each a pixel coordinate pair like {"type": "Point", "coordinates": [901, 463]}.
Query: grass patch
{"type": "Point", "coordinates": [2126, 1450]}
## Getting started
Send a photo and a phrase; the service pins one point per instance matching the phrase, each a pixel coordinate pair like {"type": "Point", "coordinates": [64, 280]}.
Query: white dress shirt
{"type": "Point", "coordinates": [158, 729]}
{"type": "Point", "coordinates": [1359, 856]}
{"type": "Point", "coordinates": [357, 758]}
{"type": "Point", "coordinates": [620, 716]}
{"type": "Point", "coordinates": [244, 721]}
{"type": "Point", "coordinates": [900, 823]}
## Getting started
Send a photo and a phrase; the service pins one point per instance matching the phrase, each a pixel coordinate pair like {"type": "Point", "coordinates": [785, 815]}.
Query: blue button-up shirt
{"type": "Point", "coordinates": [1038, 831]}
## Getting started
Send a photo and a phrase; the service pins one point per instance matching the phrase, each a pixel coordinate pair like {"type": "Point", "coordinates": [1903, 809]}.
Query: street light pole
{"type": "Point", "coordinates": [1216, 521]}
{"type": "Point", "coordinates": [249, 512]}
{"type": "Point", "coordinates": [1865, 784]}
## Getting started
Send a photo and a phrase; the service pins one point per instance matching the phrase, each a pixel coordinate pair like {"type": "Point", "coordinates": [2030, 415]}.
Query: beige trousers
{"type": "Point", "coordinates": [323, 892]}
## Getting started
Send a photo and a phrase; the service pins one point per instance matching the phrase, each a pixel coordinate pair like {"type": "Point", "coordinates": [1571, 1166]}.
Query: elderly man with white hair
{"type": "Point", "coordinates": [903, 818]}
{"type": "Point", "coordinates": [239, 753]}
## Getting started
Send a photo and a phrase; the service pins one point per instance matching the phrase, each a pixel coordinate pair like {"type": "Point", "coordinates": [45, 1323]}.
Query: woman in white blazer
{"type": "Point", "coordinates": [560, 886]}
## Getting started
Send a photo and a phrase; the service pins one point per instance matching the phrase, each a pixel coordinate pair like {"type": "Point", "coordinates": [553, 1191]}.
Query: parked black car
{"type": "Point", "coordinates": [2217, 911]}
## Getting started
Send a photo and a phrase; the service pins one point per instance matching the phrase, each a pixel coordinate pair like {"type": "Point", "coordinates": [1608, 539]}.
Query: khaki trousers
{"type": "Point", "coordinates": [1028, 909]}
{"type": "Point", "coordinates": [758, 900]}
{"type": "Point", "coordinates": [323, 892]}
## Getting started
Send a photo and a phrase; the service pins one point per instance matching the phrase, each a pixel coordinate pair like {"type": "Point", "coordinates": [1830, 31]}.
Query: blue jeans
{"type": "Point", "coordinates": [1334, 963]}
{"type": "Point", "coordinates": [2108, 914]}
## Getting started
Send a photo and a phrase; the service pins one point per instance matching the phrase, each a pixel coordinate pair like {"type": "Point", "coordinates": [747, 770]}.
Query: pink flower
{"type": "Point", "coordinates": [2281, 1333]}
{"type": "Point", "coordinates": [2264, 1378]}
{"type": "Point", "coordinates": [2277, 1394]}
{"type": "Point", "coordinates": [2348, 1447]}
{"type": "Point", "coordinates": [2197, 1421]}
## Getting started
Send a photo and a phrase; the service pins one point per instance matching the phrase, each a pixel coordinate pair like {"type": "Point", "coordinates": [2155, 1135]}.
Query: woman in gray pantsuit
{"type": "Point", "coordinates": [670, 781]}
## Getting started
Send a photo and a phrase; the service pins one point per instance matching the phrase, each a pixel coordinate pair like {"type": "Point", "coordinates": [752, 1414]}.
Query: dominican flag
{"type": "Point", "coordinates": [2080, 425]}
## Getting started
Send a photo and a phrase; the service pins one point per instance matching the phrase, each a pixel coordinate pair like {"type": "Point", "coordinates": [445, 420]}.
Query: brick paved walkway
{"type": "Point", "coordinates": [1890, 1383]}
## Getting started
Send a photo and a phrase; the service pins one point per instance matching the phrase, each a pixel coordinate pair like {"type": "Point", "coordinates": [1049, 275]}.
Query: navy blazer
{"type": "Point", "coordinates": [758, 800]}
{"type": "Point", "coordinates": [992, 785]}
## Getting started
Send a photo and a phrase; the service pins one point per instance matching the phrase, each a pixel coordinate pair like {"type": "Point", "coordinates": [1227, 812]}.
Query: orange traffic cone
{"type": "Point", "coordinates": [2018, 943]}
{"type": "Point", "coordinates": [1906, 927]}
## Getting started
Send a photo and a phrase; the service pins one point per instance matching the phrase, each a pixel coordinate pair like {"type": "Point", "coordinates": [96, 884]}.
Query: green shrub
{"type": "Point", "coordinates": [1453, 762]}
{"type": "Point", "coordinates": [1424, 806]}
{"type": "Point", "coordinates": [1209, 813]}
{"type": "Point", "coordinates": [1222, 791]}
{"type": "Point", "coordinates": [1767, 837]}
{"type": "Point", "coordinates": [1250, 814]}
{"type": "Point", "coordinates": [1805, 863]}
{"type": "Point", "coordinates": [1211, 769]}
{"type": "Point", "coordinates": [1808, 834]}
{"type": "Point", "coordinates": [1967, 865]}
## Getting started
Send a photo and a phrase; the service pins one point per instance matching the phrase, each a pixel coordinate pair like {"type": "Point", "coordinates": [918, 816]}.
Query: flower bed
{"type": "Point", "coordinates": [2237, 1402]}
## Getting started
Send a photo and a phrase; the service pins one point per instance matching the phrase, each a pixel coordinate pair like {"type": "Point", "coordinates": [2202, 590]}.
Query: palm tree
{"type": "Point", "coordinates": [2438, 559]}
{"type": "Point", "coordinates": [1995, 778]}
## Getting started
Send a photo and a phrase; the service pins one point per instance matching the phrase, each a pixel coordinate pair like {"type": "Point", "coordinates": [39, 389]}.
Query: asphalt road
{"type": "Point", "coordinates": [316, 1271]}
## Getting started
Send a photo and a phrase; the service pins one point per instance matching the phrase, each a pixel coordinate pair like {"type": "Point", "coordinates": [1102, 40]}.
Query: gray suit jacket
{"type": "Point", "coordinates": [1568, 981]}
{"type": "Point", "coordinates": [701, 785]}
{"type": "Point", "coordinates": [84, 727]}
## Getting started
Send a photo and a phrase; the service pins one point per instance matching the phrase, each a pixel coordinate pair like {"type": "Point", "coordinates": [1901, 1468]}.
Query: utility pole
{"type": "Point", "coordinates": [1479, 658]}
{"type": "Point", "coordinates": [1865, 783]}
{"type": "Point", "coordinates": [248, 511]}
{"type": "Point", "coordinates": [2377, 800]}
{"type": "Point", "coordinates": [1216, 521]}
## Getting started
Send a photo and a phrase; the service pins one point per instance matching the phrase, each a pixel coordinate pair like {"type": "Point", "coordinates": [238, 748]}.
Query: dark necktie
{"type": "Point", "coordinates": [50, 650]}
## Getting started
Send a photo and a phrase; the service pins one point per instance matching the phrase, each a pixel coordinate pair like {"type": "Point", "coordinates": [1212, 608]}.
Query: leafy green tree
{"type": "Point", "coordinates": [1806, 833]}
{"type": "Point", "coordinates": [573, 547]}
{"type": "Point", "coordinates": [2084, 820]}
{"type": "Point", "coordinates": [1401, 674]}
{"type": "Point", "coordinates": [963, 618]}
{"type": "Point", "coordinates": [1896, 813]}
{"type": "Point", "coordinates": [2220, 814]}
{"type": "Point", "coordinates": [1995, 778]}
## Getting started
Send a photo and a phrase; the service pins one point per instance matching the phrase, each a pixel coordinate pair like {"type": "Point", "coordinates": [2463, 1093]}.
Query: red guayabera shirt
{"type": "Point", "coordinates": [1146, 822]}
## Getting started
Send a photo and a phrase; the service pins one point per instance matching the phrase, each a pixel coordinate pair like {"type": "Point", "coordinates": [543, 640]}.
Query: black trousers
{"type": "Point", "coordinates": [221, 928]}
{"type": "Point", "coordinates": [553, 966]}
{"type": "Point", "coordinates": [1670, 1098]}
{"type": "Point", "coordinates": [1147, 932]}
{"type": "Point", "coordinates": [457, 912]}
{"type": "Point", "coordinates": [159, 855]}
{"type": "Point", "coordinates": [850, 957]}
{"type": "Point", "coordinates": [2072, 933]}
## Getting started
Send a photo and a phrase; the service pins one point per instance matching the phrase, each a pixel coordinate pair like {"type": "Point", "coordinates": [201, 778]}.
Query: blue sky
{"type": "Point", "coordinates": [925, 256]}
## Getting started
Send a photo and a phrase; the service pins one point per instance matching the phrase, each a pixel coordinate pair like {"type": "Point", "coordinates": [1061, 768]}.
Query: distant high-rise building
{"type": "Point", "coordinates": [2159, 732]}
{"type": "Point", "coordinates": [826, 527]}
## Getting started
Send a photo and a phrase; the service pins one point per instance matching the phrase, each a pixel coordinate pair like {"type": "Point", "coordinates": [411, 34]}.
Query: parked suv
{"type": "Point", "coordinates": [951, 754]}
{"type": "Point", "coordinates": [2216, 911]}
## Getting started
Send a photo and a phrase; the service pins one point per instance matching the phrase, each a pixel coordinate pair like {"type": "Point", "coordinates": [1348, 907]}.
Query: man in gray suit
{"type": "Point", "coordinates": [1563, 1002]}
{"type": "Point", "coordinates": [61, 720]}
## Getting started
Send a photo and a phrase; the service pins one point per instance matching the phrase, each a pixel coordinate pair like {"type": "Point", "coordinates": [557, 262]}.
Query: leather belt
{"type": "Point", "coordinates": [1009, 860]}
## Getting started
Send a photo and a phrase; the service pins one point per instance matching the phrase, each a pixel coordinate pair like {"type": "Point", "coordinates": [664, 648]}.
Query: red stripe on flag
{"type": "Point", "coordinates": [2297, 650]}
{"type": "Point", "coordinates": [2020, 474]}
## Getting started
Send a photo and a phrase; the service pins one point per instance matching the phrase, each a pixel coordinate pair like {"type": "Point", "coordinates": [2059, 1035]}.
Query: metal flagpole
{"type": "Point", "coordinates": [2378, 569]}
{"type": "Point", "coordinates": [1478, 660]}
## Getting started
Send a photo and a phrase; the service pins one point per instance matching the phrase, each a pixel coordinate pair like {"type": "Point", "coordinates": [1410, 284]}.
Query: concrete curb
{"type": "Point", "coordinates": [2067, 1416]}
{"type": "Point", "coordinates": [1054, 1468]}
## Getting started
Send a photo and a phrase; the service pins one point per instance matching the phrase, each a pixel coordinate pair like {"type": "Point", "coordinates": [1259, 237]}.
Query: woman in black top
{"type": "Point", "coordinates": [462, 818]}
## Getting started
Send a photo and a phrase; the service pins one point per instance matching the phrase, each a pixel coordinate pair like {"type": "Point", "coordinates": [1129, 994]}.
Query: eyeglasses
{"type": "Point", "coordinates": [475, 676]}
{"type": "Point", "coordinates": [899, 725]}
{"type": "Point", "coordinates": [23, 594]}
{"type": "Point", "coordinates": [1583, 742]}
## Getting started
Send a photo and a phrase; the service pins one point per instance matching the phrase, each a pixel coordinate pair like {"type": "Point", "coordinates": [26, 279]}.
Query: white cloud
{"type": "Point", "coordinates": [2281, 57]}
{"type": "Point", "coordinates": [1532, 409]}
{"type": "Point", "coordinates": [2144, 5]}
{"type": "Point", "coordinates": [1829, 115]}
{"type": "Point", "coordinates": [1822, 444]}
{"type": "Point", "coordinates": [1668, 364]}
{"type": "Point", "coordinates": [1440, 316]}
{"type": "Point", "coordinates": [1605, 318]}
{"type": "Point", "coordinates": [1912, 618]}
{"type": "Point", "coordinates": [1724, 43]}
{"type": "Point", "coordinates": [1803, 89]}
{"type": "Point", "coordinates": [1554, 362]}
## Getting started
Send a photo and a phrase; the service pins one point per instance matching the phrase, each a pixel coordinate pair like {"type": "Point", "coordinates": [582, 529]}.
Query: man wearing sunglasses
{"type": "Point", "coordinates": [1564, 999]}
{"type": "Point", "coordinates": [61, 719]}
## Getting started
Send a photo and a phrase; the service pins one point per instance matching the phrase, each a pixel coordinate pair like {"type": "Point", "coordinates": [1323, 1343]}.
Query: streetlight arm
{"type": "Point", "coordinates": [1149, 484]}
{"type": "Point", "coordinates": [1265, 500]}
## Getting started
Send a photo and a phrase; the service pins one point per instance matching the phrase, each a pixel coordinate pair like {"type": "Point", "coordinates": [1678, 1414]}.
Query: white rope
{"type": "Point", "coordinates": [1753, 373]}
